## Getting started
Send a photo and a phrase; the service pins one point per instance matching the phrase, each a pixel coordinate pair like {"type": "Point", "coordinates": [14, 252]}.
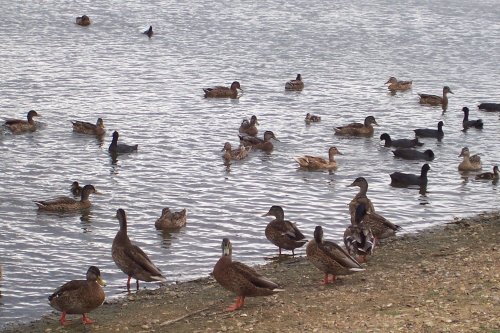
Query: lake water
{"type": "Point", "coordinates": [150, 90]}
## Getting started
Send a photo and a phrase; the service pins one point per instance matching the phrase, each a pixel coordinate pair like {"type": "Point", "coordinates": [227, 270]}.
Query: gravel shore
{"type": "Point", "coordinates": [446, 279]}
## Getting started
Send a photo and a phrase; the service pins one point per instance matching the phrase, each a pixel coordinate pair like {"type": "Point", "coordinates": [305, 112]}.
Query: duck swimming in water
{"type": "Point", "coordinates": [66, 204]}
{"type": "Point", "coordinates": [17, 126]}
{"type": "Point", "coordinates": [223, 92]}
{"type": "Point", "coordinates": [296, 85]}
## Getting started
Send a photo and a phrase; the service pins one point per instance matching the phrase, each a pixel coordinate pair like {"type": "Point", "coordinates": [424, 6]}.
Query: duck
{"type": "Point", "coordinates": [249, 127]}
{"type": "Point", "coordinates": [79, 296]}
{"type": "Point", "coordinates": [407, 179]}
{"type": "Point", "coordinates": [296, 85]}
{"type": "Point", "coordinates": [171, 220]}
{"type": "Point", "coordinates": [394, 84]}
{"type": "Point", "coordinates": [149, 32]}
{"type": "Point", "coordinates": [380, 226]}
{"type": "Point", "coordinates": [89, 128]}
{"type": "Point", "coordinates": [241, 279]}
{"type": "Point", "coordinates": [122, 148]}
{"type": "Point", "coordinates": [83, 20]}
{"type": "Point", "coordinates": [330, 258]}
{"type": "Point", "coordinates": [490, 107]}
{"type": "Point", "coordinates": [429, 132]}
{"type": "Point", "coordinates": [264, 144]}
{"type": "Point", "coordinates": [311, 118]}
{"type": "Point", "coordinates": [358, 237]}
{"type": "Point", "coordinates": [282, 233]}
{"type": "Point", "coordinates": [357, 129]}
{"type": "Point", "coordinates": [17, 126]}
{"type": "Point", "coordinates": [130, 258]}
{"type": "Point", "coordinates": [489, 175]}
{"type": "Point", "coordinates": [222, 92]}
{"type": "Point", "coordinates": [66, 204]}
{"type": "Point", "coordinates": [436, 100]}
{"type": "Point", "coordinates": [76, 189]}
{"type": "Point", "coordinates": [235, 154]}
{"type": "Point", "coordinates": [469, 163]}
{"type": "Point", "coordinates": [466, 123]}
{"type": "Point", "coordinates": [316, 163]}
{"type": "Point", "coordinates": [412, 154]}
{"type": "Point", "coordinates": [400, 143]}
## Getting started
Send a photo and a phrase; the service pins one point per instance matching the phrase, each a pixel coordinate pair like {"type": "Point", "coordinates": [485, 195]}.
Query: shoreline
{"type": "Point", "coordinates": [442, 279]}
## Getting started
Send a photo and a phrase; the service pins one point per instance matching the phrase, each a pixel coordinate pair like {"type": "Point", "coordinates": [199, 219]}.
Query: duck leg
{"type": "Point", "coordinates": [86, 320]}
{"type": "Point", "coordinates": [128, 283]}
{"type": "Point", "coordinates": [240, 300]}
{"type": "Point", "coordinates": [63, 320]}
{"type": "Point", "coordinates": [327, 279]}
{"type": "Point", "coordinates": [137, 284]}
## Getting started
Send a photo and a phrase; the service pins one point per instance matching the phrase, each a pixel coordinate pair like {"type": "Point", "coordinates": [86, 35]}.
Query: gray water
{"type": "Point", "coordinates": [150, 90]}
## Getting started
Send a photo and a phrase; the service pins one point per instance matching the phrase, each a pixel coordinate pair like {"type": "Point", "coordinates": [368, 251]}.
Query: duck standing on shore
{"type": "Point", "coordinates": [79, 296]}
{"type": "Point", "coordinates": [379, 225]}
{"type": "Point", "coordinates": [239, 278]}
{"type": "Point", "coordinates": [130, 258]}
{"type": "Point", "coordinates": [282, 233]}
{"type": "Point", "coordinates": [358, 237]}
{"type": "Point", "coordinates": [330, 258]}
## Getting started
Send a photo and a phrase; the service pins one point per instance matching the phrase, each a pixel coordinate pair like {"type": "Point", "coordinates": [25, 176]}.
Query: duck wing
{"type": "Point", "coordinates": [338, 254]}
{"type": "Point", "coordinates": [251, 275]}
{"type": "Point", "coordinates": [68, 287]}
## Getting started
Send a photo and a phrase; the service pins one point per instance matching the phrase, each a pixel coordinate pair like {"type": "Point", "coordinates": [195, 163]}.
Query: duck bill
{"type": "Point", "coordinates": [101, 281]}
{"type": "Point", "coordinates": [266, 214]}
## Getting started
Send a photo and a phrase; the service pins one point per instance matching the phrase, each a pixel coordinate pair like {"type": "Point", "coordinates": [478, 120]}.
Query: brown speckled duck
{"type": "Point", "coordinates": [17, 126]}
{"type": "Point", "coordinates": [436, 100]}
{"type": "Point", "coordinates": [311, 118]}
{"type": "Point", "coordinates": [249, 127]}
{"type": "Point", "coordinates": [330, 258]}
{"type": "Point", "coordinates": [358, 237]}
{"type": "Point", "coordinates": [79, 296]}
{"type": "Point", "coordinates": [379, 225]}
{"type": "Point", "coordinates": [130, 258]}
{"type": "Point", "coordinates": [66, 204]}
{"type": "Point", "coordinates": [221, 92]}
{"type": "Point", "coordinates": [316, 163]}
{"type": "Point", "coordinates": [264, 144]}
{"type": "Point", "coordinates": [240, 279]}
{"type": "Point", "coordinates": [394, 84]}
{"type": "Point", "coordinates": [89, 128]}
{"type": "Point", "coordinates": [489, 175]}
{"type": "Point", "coordinates": [284, 234]}
{"type": "Point", "coordinates": [235, 154]}
{"type": "Point", "coordinates": [357, 129]}
{"type": "Point", "coordinates": [469, 163]}
{"type": "Point", "coordinates": [171, 220]}
{"type": "Point", "coordinates": [296, 85]}
{"type": "Point", "coordinates": [83, 20]}
{"type": "Point", "coordinates": [76, 189]}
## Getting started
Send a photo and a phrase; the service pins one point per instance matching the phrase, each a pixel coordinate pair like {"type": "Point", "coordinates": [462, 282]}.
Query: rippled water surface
{"type": "Point", "coordinates": [150, 90]}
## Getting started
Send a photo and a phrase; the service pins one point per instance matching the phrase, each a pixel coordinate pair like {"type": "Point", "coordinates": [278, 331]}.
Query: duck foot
{"type": "Point", "coordinates": [328, 280]}
{"type": "Point", "coordinates": [86, 320]}
{"type": "Point", "coordinates": [63, 320]}
{"type": "Point", "coordinates": [240, 300]}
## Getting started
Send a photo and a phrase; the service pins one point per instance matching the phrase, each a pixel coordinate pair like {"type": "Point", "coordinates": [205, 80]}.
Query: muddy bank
{"type": "Point", "coordinates": [446, 279]}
